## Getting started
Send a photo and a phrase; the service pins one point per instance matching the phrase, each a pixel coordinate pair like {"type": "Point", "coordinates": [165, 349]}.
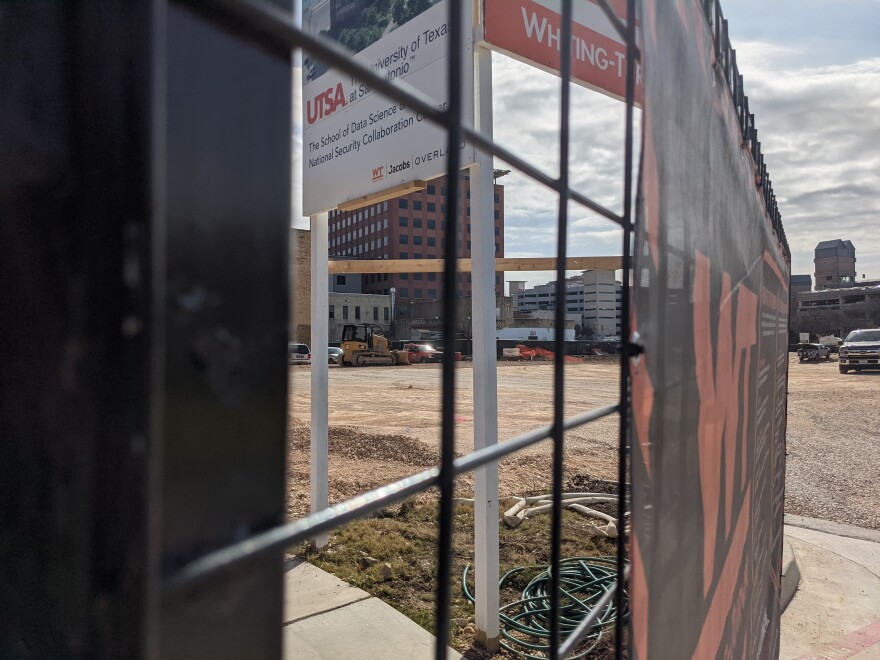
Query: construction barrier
{"type": "Point", "coordinates": [709, 393]}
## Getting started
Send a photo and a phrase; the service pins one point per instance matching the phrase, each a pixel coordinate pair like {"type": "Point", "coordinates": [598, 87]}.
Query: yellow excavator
{"type": "Point", "coordinates": [365, 345]}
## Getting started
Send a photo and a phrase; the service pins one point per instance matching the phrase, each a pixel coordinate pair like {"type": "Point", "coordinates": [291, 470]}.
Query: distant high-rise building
{"type": "Point", "coordinates": [412, 227]}
{"type": "Point", "coordinates": [594, 295]}
{"type": "Point", "coordinates": [835, 265]}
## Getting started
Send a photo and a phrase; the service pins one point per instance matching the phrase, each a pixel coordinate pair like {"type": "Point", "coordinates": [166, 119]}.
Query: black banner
{"type": "Point", "coordinates": [710, 297]}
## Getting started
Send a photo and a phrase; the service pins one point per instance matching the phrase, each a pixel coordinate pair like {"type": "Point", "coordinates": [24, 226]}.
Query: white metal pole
{"type": "Point", "coordinates": [320, 409]}
{"type": "Point", "coordinates": [298, 221]}
{"type": "Point", "coordinates": [485, 362]}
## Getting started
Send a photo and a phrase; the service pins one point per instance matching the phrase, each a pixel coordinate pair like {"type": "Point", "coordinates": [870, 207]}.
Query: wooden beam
{"type": "Point", "coordinates": [506, 264]}
{"type": "Point", "coordinates": [383, 195]}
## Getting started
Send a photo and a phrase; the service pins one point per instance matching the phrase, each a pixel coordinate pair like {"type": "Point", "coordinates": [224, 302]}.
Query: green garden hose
{"type": "Point", "coordinates": [525, 623]}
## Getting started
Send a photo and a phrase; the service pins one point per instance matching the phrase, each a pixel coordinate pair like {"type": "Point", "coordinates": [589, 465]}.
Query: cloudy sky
{"type": "Point", "coordinates": [812, 73]}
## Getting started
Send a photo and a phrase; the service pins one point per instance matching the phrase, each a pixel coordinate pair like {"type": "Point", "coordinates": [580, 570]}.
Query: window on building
{"type": "Point", "coordinates": [385, 311]}
{"type": "Point", "coordinates": [417, 240]}
{"type": "Point", "coordinates": [469, 211]}
{"type": "Point", "coordinates": [468, 228]}
{"type": "Point", "coordinates": [404, 221]}
{"type": "Point", "coordinates": [432, 224]}
{"type": "Point", "coordinates": [497, 214]}
{"type": "Point", "coordinates": [497, 198]}
{"type": "Point", "coordinates": [404, 255]}
{"type": "Point", "coordinates": [375, 313]}
{"type": "Point", "coordinates": [404, 293]}
{"type": "Point", "coordinates": [385, 206]}
{"type": "Point", "coordinates": [443, 191]}
{"type": "Point", "coordinates": [498, 231]}
{"type": "Point", "coordinates": [431, 189]}
{"type": "Point", "coordinates": [384, 241]}
{"type": "Point", "coordinates": [357, 311]}
{"type": "Point", "coordinates": [417, 255]}
{"type": "Point", "coordinates": [417, 293]}
{"type": "Point", "coordinates": [497, 248]}
{"type": "Point", "coordinates": [385, 223]}
{"type": "Point", "coordinates": [403, 204]}
{"type": "Point", "coordinates": [432, 242]}
{"type": "Point", "coordinates": [469, 279]}
{"type": "Point", "coordinates": [417, 276]}
{"type": "Point", "coordinates": [404, 239]}
{"type": "Point", "coordinates": [432, 294]}
{"type": "Point", "coordinates": [345, 312]}
{"type": "Point", "coordinates": [468, 195]}
{"type": "Point", "coordinates": [432, 207]}
{"type": "Point", "coordinates": [332, 311]}
{"type": "Point", "coordinates": [417, 205]}
{"type": "Point", "coordinates": [432, 277]}
{"type": "Point", "coordinates": [443, 208]}
{"type": "Point", "coordinates": [340, 280]}
{"type": "Point", "coordinates": [417, 223]}
{"type": "Point", "coordinates": [404, 276]}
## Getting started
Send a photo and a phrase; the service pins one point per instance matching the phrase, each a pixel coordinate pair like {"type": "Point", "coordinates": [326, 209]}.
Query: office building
{"type": "Point", "coordinates": [411, 227]}
{"type": "Point", "coordinates": [594, 295]}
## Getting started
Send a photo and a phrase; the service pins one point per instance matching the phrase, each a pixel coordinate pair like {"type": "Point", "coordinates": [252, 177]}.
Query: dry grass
{"type": "Point", "coordinates": [405, 537]}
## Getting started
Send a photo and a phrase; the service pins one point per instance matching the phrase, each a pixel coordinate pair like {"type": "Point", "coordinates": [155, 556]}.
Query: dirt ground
{"type": "Point", "coordinates": [385, 424]}
{"type": "Point", "coordinates": [833, 462]}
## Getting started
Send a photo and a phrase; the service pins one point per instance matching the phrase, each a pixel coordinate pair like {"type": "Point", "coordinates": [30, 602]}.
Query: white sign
{"type": "Point", "coordinates": [357, 142]}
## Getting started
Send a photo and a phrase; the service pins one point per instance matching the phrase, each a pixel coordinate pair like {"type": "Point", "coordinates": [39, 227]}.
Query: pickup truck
{"type": "Point", "coordinates": [806, 352]}
{"type": "Point", "coordinates": [422, 353]}
{"type": "Point", "coordinates": [860, 350]}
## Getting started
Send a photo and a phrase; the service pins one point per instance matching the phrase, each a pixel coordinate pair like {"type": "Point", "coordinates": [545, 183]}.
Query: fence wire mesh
{"type": "Point", "coordinates": [277, 31]}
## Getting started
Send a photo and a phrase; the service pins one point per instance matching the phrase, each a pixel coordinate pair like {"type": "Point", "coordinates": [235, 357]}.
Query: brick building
{"type": "Point", "coordinates": [411, 227]}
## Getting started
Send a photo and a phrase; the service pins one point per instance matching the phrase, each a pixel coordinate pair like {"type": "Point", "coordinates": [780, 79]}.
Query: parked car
{"type": "Point", "coordinates": [422, 353]}
{"type": "Point", "coordinates": [815, 352]}
{"type": "Point", "coordinates": [334, 355]}
{"type": "Point", "coordinates": [860, 350]}
{"type": "Point", "coordinates": [299, 354]}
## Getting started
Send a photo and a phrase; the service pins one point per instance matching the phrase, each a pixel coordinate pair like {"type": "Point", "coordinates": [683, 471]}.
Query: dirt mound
{"type": "Point", "coordinates": [351, 443]}
{"type": "Point", "coordinates": [584, 483]}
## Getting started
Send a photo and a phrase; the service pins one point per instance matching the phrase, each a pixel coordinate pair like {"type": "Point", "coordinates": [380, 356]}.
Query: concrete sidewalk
{"type": "Point", "coordinates": [831, 570]}
{"type": "Point", "coordinates": [835, 613]}
{"type": "Point", "coordinates": [325, 618]}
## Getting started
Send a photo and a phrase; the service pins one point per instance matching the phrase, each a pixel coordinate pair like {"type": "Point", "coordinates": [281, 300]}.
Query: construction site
{"type": "Point", "coordinates": [621, 458]}
{"type": "Point", "coordinates": [384, 425]}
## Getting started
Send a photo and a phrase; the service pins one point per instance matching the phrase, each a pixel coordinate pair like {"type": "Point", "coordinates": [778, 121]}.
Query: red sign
{"type": "Point", "coordinates": [531, 30]}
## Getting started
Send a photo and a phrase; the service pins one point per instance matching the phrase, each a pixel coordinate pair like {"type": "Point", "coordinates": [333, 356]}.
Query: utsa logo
{"type": "Point", "coordinates": [325, 103]}
{"type": "Point", "coordinates": [378, 173]}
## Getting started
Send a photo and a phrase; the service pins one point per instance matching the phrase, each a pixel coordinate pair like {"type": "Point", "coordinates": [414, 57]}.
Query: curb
{"type": "Point", "coordinates": [832, 527]}
{"type": "Point", "coordinates": [791, 575]}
